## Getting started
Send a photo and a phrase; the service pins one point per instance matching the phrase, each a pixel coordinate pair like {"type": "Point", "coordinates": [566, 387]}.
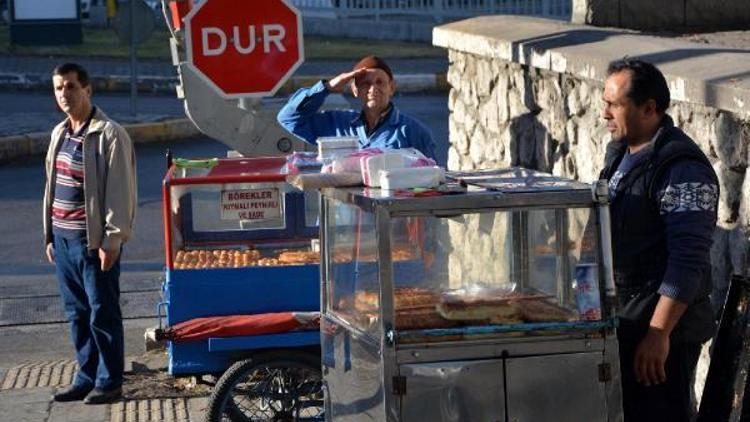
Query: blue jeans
{"type": "Point", "coordinates": [91, 299]}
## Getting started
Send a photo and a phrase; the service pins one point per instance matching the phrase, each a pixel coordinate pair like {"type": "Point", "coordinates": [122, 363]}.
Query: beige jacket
{"type": "Point", "coordinates": [109, 182]}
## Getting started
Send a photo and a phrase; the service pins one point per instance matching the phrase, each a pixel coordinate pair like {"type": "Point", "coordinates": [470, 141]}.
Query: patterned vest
{"type": "Point", "coordinates": [639, 242]}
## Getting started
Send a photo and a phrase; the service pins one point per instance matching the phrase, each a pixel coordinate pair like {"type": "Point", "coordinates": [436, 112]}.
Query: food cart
{"type": "Point", "coordinates": [510, 317]}
{"type": "Point", "coordinates": [240, 241]}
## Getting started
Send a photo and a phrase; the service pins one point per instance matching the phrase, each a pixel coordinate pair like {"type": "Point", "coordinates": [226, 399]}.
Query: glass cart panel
{"type": "Point", "coordinates": [354, 268]}
{"type": "Point", "coordinates": [233, 225]}
{"type": "Point", "coordinates": [503, 267]}
{"type": "Point", "coordinates": [232, 206]}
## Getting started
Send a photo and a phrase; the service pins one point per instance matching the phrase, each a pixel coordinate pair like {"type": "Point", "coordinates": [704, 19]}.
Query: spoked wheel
{"type": "Point", "coordinates": [274, 387]}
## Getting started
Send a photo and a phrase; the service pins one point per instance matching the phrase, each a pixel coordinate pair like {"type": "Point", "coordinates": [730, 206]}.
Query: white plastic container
{"type": "Point", "coordinates": [329, 147]}
{"type": "Point", "coordinates": [412, 177]}
{"type": "Point", "coordinates": [373, 165]}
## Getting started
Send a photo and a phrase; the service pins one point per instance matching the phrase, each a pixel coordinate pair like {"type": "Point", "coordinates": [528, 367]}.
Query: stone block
{"type": "Point", "coordinates": [730, 181]}
{"type": "Point", "coordinates": [454, 77]}
{"type": "Point", "coordinates": [454, 160]}
{"type": "Point", "coordinates": [544, 147]}
{"type": "Point", "coordinates": [484, 78]}
{"type": "Point", "coordinates": [477, 147]}
{"type": "Point", "coordinates": [516, 105]}
{"type": "Point", "coordinates": [697, 122]}
{"type": "Point", "coordinates": [468, 117]}
{"type": "Point", "coordinates": [456, 60]}
{"type": "Point", "coordinates": [452, 97]}
{"type": "Point", "coordinates": [739, 250]}
{"type": "Point", "coordinates": [717, 14]}
{"type": "Point", "coordinates": [495, 149]}
{"type": "Point", "coordinates": [488, 114]}
{"type": "Point", "coordinates": [506, 140]}
{"type": "Point", "coordinates": [589, 152]}
{"type": "Point", "coordinates": [727, 142]}
{"type": "Point", "coordinates": [745, 203]}
{"type": "Point", "coordinates": [500, 96]}
{"type": "Point", "coordinates": [548, 92]}
{"type": "Point", "coordinates": [463, 142]}
{"type": "Point", "coordinates": [573, 102]}
{"type": "Point", "coordinates": [571, 132]}
{"type": "Point", "coordinates": [454, 130]}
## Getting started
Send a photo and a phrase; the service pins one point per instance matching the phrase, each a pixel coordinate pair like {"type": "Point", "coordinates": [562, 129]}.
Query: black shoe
{"type": "Point", "coordinates": [72, 393]}
{"type": "Point", "coordinates": [97, 396]}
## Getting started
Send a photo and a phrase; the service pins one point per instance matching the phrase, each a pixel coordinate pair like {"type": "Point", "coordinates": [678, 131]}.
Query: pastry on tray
{"type": "Point", "coordinates": [485, 305]}
{"type": "Point", "coordinates": [404, 298]}
{"type": "Point", "coordinates": [299, 257]}
{"type": "Point", "coordinates": [539, 310]}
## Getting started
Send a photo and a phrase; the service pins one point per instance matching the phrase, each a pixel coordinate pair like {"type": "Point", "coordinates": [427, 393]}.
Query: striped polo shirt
{"type": "Point", "coordinates": [69, 204]}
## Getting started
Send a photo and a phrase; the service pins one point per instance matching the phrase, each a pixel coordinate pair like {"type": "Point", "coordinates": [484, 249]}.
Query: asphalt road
{"type": "Point", "coordinates": [30, 315]}
{"type": "Point", "coordinates": [36, 111]}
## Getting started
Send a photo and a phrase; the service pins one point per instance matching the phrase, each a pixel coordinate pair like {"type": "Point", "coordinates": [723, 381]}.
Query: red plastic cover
{"type": "Point", "coordinates": [242, 325]}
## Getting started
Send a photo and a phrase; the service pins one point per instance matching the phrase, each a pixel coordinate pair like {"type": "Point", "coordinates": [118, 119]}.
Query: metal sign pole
{"type": "Point", "coordinates": [133, 63]}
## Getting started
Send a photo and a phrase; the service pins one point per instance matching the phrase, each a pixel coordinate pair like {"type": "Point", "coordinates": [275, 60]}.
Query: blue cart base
{"type": "Point", "coordinates": [236, 291]}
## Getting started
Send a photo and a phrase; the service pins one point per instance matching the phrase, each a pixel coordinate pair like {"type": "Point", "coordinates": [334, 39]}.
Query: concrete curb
{"type": "Point", "coordinates": [33, 144]}
{"type": "Point", "coordinates": [411, 83]}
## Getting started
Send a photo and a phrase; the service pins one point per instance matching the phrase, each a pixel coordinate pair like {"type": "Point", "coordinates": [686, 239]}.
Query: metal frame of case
{"type": "Point", "coordinates": [405, 363]}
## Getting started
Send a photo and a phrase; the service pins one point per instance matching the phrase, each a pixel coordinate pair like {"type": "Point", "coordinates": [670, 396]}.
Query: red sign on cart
{"type": "Point", "coordinates": [253, 204]}
{"type": "Point", "coordinates": [244, 48]}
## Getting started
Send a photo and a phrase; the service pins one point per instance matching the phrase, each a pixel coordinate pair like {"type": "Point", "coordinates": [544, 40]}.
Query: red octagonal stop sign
{"type": "Point", "coordinates": [244, 48]}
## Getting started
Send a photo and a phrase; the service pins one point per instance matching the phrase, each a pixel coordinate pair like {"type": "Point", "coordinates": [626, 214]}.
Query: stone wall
{"type": "Point", "coordinates": [529, 92]}
{"type": "Point", "coordinates": [507, 112]}
{"type": "Point", "coordinates": [713, 15]}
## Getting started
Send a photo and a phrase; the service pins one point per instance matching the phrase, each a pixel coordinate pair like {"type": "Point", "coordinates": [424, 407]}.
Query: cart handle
{"type": "Point", "coordinates": [158, 311]}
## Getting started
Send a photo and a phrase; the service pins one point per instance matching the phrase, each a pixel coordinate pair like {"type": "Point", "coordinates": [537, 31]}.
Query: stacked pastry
{"type": "Point", "coordinates": [415, 308]}
{"type": "Point", "coordinates": [500, 306]}
{"type": "Point", "coordinates": [399, 253]}
{"type": "Point", "coordinates": [299, 257]}
{"type": "Point", "coordinates": [227, 258]}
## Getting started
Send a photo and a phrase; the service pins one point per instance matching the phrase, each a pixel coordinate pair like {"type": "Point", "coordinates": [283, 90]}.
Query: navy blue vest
{"type": "Point", "coordinates": [639, 241]}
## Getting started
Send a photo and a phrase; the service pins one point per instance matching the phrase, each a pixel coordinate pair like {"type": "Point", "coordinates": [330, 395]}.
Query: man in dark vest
{"type": "Point", "coordinates": [664, 195]}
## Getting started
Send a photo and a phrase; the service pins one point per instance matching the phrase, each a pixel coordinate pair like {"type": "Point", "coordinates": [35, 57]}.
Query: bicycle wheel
{"type": "Point", "coordinates": [271, 387]}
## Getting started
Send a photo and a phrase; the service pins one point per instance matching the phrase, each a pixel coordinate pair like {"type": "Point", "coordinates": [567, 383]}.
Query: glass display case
{"type": "Point", "coordinates": [238, 240]}
{"type": "Point", "coordinates": [234, 213]}
{"type": "Point", "coordinates": [458, 306]}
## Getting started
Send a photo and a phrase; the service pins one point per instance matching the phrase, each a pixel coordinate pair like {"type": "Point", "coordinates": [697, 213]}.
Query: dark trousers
{"type": "Point", "coordinates": [91, 300]}
{"type": "Point", "coordinates": [670, 401]}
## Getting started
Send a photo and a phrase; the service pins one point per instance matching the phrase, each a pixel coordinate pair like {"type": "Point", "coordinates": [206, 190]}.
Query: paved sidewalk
{"type": "Point", "coordinates": [26, 395]}
{"type": "Point", "coordinates": [36, 405]}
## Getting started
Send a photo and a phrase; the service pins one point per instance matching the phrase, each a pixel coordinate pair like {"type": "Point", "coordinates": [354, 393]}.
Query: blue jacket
{"type": "Point", "coordinates": [300, 116]}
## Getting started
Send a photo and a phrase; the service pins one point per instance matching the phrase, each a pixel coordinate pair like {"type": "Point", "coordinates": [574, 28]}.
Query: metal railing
{"type": "Point", "coordinates": [439, 10]}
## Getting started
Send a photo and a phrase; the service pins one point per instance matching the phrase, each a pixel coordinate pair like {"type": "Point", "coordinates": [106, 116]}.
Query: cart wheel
{"type": "Point", "coordinates": [281, 386]}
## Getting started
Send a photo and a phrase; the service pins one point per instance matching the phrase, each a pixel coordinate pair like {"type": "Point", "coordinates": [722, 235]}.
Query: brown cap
{"type": "Point", "coordinates": [373, 62]}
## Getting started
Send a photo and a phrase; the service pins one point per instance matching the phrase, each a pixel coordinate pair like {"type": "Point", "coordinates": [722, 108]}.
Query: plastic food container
{"type": "Point", "coordinates": [329, 147]}
{"type": "Point", "coordinates": [411, 177]}
{"type": "Point", "coordinates": [373, 165]}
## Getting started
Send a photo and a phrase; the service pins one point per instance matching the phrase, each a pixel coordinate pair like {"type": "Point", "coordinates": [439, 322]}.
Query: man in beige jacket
{"type": "Point", "coordinates": [89, 208]}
